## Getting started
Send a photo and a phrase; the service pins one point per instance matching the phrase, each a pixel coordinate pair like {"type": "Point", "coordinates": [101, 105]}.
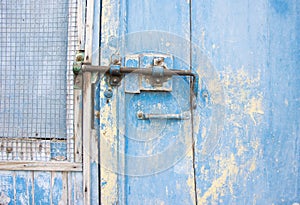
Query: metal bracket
{"type": "Point", "coordinates": [115, 73]}
{"type": "Point", "coordinates": [157, 74]}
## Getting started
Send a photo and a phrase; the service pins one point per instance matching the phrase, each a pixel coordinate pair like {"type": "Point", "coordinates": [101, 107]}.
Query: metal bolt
{"type": "Point", "coordinates": [157, 80]}
{"type": "Point", "coordinates": [140, 114]}
{"type": "Point", "coordinates": [115, 80]}
{"type": "Point", "coordinates": [108, 93]}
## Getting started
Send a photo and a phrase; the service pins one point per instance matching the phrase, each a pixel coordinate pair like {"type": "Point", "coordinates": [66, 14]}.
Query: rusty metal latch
{"type": "Point", "coordinates": [117, 72]}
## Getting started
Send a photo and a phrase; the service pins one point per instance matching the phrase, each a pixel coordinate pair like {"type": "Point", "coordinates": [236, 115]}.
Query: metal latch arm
{"type": "Point", "coordinates": [144, 71]}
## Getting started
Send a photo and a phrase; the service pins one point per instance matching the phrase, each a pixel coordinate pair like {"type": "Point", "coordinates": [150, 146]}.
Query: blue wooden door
{"type": "Point", "coordinates": [151, 139]}
{"type": "Point", "coordinates": [243, 125]}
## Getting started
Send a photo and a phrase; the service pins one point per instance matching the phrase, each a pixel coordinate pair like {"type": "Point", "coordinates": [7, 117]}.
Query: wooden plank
{"type": "Point", "coordinates": [78, 125]}
{"type": "Point", "coordinates": [23, 186]}
{"type": "Point", "coordinates": [7, 192]}
{"type": "Point", "coordinates": [252, 46]}
{"type": "Point", "coordinates": [40, 166]}
{"type": "Point", "coordinates": [172, 185]}
{"type": "Point", "coordinates": [236, 51]}
{"type": "Point", "coordinates": [42, 188]}
{"type": "Point", "coordinates": [86, 130]}
{"type": "Point", "coordinates": [108, 143]}
{"type": "Point", "coordinates": [94, 167]}
{"type": "Point", "coordinates": [89, 31]}
{"type": "Point", "coordinates": [59, 188]}
{"type": "Point", "coordinates": [87, 102]}
{"type": "Point", "coordinates": [75, 186]}
{"type": "Point", "coordinates": [94, 138]}
{"type": "Point", "coordinates": [110, 29]}
{"type": "Point", "coordinates": [81, 15]}
{"type": "Point", "coordinates": [281, 139]}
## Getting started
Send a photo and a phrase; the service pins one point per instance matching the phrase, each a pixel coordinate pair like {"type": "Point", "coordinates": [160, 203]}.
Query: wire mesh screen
{"type": "Point", "coordinates": [37, 45]}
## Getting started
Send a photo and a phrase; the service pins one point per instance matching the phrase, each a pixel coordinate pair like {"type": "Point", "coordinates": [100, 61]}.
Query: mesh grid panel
{"type": "Point", "coordinates": [37, 46]}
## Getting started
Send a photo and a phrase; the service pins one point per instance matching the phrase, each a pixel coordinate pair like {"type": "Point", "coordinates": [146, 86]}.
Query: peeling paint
{"type": "Point", "coordinates": [240, 157]}
{"type": "Point", "coordinates": [243, 96]}
{"type": "Point", "coordinates": [254, 107]}
{"type": "Point", "coordinates": [217, 188]}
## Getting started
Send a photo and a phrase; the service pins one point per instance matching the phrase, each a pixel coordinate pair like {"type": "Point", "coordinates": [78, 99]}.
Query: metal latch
{"type": "Point", "coordinates": [117, 72]}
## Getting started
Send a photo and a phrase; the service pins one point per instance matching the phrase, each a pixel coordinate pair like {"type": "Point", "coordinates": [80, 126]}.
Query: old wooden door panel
{"type": "Point", "coordinates": [173, 185]}
{"type": "Point", "coordinates": [253, 46]}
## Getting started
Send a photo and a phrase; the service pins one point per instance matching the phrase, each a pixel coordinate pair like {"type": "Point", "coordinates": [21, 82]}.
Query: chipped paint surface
{"type": "Point", "coordinates": [251, 159]}
{"type": "Point", "coordinates": [243, 94]}
{"type": "Point", "coordinates": [254, 107]}
{"type": "Point", "coordinates": [108, 143]}
{"type": "Point", "coordinates": [238, 159]}
{"type": "Point", "coordinates": [229, 170]}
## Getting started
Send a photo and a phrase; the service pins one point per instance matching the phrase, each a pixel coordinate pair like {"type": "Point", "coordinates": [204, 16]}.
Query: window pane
{"type": "Point", "coordinates": [33, 62]}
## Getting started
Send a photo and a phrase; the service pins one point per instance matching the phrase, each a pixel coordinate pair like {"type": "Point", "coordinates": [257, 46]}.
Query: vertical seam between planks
{"type": "Point", "coordinates": [192, 99]}
{"type": "Point", "coordinates": [99, 144]}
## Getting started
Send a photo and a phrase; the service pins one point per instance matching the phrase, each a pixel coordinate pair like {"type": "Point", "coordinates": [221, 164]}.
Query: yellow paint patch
{"type": "Point", "coordinates": [254, 107]}
{"type": "Point", "coordinates": [217, 188]}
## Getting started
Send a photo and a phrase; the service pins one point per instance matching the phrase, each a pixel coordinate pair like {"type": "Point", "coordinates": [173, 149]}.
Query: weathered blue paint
{"type": "Point", "coordinates": [28, 187]}
{"type": "Point", "coordinates": [56, 188]}
{"type": "Point", "coordinates": [75, 187]}
{"type": "Point", "coordinates": [253, 47]}
{"type": "Point", "coordinates": [22, 182]}
{"type": "Point", "coordinates": [157, 188]}
{"type": "Point", "coordinates": [42, 188]}
{"type": "Point", "coordinates": [7, 187]}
